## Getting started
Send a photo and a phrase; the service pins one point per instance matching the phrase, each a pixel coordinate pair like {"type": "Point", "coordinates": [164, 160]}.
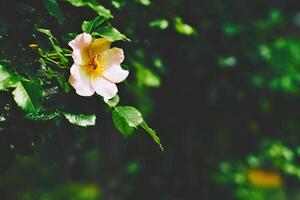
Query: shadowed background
{"type": "Point", "coordinates": [217, 79]}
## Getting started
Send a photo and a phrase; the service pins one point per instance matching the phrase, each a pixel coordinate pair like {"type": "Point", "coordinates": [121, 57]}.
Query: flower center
{"type": "Point", "coordinates": [95, 66]}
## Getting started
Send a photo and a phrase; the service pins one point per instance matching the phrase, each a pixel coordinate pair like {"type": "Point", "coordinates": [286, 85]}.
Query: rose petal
{"type": "Point", "coordinates": [79, 46]}
{"type": "Point", "coordinates": [115, 74]}
{"type": "Point", "coordinates": [81, 41]}
{"type": "Point", "coordinates": [113, 56]}
{"type": "Point", "coordinates": [104, 88]}
{"type": "Point", "coordinates": [80, 57]}
{"type": "Point", "coordinates": [80, 81]}
{"type": "Point", "coordinates": [98, 46]}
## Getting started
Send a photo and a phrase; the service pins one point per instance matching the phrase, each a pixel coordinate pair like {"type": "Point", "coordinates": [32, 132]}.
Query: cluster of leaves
{"type": "Point", "coordinates": [39, 92]}
{"type": "Point", "coordinates": [279, 54]}
{"type": "Point", "coordinates": [229, 63]}
{"type": "Point", "coordinates": [264, 174]}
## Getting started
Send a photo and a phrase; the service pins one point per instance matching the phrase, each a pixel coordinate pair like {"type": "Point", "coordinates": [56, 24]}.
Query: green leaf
{"type": "Point", "coordinates": [119, 4]}
{"type": "Point", "coordinates": [29, 95]}
{"type": "Point", "coordinates": [7, 79]}
{"type": "Point", "coordinates": [227, 62]}
{"type": "Point", "coordinates": [133, 167]}
{"type": "Point", "coordinates": [121, 124]}
{"type": "Point", "coordinates": [152, 133]}
{"type": "Point", "coordinates": [89, 26]}
{"type": "Point", "coordinates": [111, 34]}
{"type": "Point", "coordinates": [4, 73]}
{"type": "Point", "coordinates": [126, 118]}
{"type": "Point", "coordinates": [99, 9]}
{"type": "Point", "coordinates": [114, 101]}
{"type": "Point", "coordinates": [230, 29]}
{"type": "Point", "coordinates": [183, 28]}
{"type": "Point", "coordinates": [132, 116]}
{"type": "Point", "coordinates": [145, 76]}
{"type": "Point", "coordinates": [81, 119]}
{"type": "Point", "coordinates": [148, 78]}
{"type": "Point", "coordinates": [10, 82]}
{"type": "Point", "coordinates": [144, 2]}
{"type": "Point", "coordinates": [46, 32]}
{"type": "Point", "coordinates": [2, 119]}
{"type": "Point", "coordinates": [159, 23]}
{"type": "Point", "coordinates": [63, 83]}
{"type": "Point", "coordinates": [54, 10]}
{"type": "Point", "coordinates": [42, 116]}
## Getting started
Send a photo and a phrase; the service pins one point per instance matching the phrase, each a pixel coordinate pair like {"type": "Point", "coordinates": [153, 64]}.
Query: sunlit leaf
{"type": "Point", "coordinates": [10, 82]}
{"type": "Point", "coordinates": [29, 95]}
{"type": "Point", "coordinates": [8, 79]}
{"type": "Point", "coordinates": [81, 119]}
{"type": "Point", "coordinates": [265, 52]}
{"type": "Point", "coordinates": [183, 28]}
{"type": "Point", "coordinates": [126, 118]}
{"type": "Point", "coordinates": [121, 124]}
{"type": "Point", "coordinates": [111, 33]}
{"type": "Point", "coordinates": [145, 76]}
{"type": "Point", "coordinates": [144, 2]}
{"type": "Point", "coordinates": [132, 116]}
{"type": "Point", "coordinates": [4, 73]}
{"type": "Point", "coordinates": [158, 63]}
{"type": "Point", "coordinates": [42, 116]}
{"type": "Point", "coordinates": [2, 119]}
{"type": "Point", "coordinates": [119, 4]}
{"type": "Point", "coordinates": [148, 78]}
{"type": "Point", "coordinates": [159, 23]}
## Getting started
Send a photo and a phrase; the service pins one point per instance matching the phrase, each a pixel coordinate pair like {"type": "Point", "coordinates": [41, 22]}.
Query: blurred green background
{"type": "Point", "coordinates": [219, 80]}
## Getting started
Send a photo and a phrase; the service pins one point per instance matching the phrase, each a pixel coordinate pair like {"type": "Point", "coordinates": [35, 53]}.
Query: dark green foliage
{"type": "Point", "coordinates": [90, 26]}
{"type": "Point", "coordinates": [54, 10]}
{"type": "Point", "coordinates": [218, 80]}
{"type": "Point", "coordinates": [94, 5]}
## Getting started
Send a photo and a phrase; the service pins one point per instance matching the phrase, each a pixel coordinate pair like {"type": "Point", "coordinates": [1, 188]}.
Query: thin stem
{"type": "Point", "coordinates": [52, 61]}
{"type": "Point", "coordinates": [51, 54]}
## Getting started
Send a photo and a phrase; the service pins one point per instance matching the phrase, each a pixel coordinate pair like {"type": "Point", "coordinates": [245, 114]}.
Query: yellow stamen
{"type": "Point", "coordinates": [95, 66]}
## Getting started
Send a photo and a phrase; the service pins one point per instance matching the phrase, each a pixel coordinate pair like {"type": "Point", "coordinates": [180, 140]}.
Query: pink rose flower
{"type": "Point", "coordinates": [97, 67]}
